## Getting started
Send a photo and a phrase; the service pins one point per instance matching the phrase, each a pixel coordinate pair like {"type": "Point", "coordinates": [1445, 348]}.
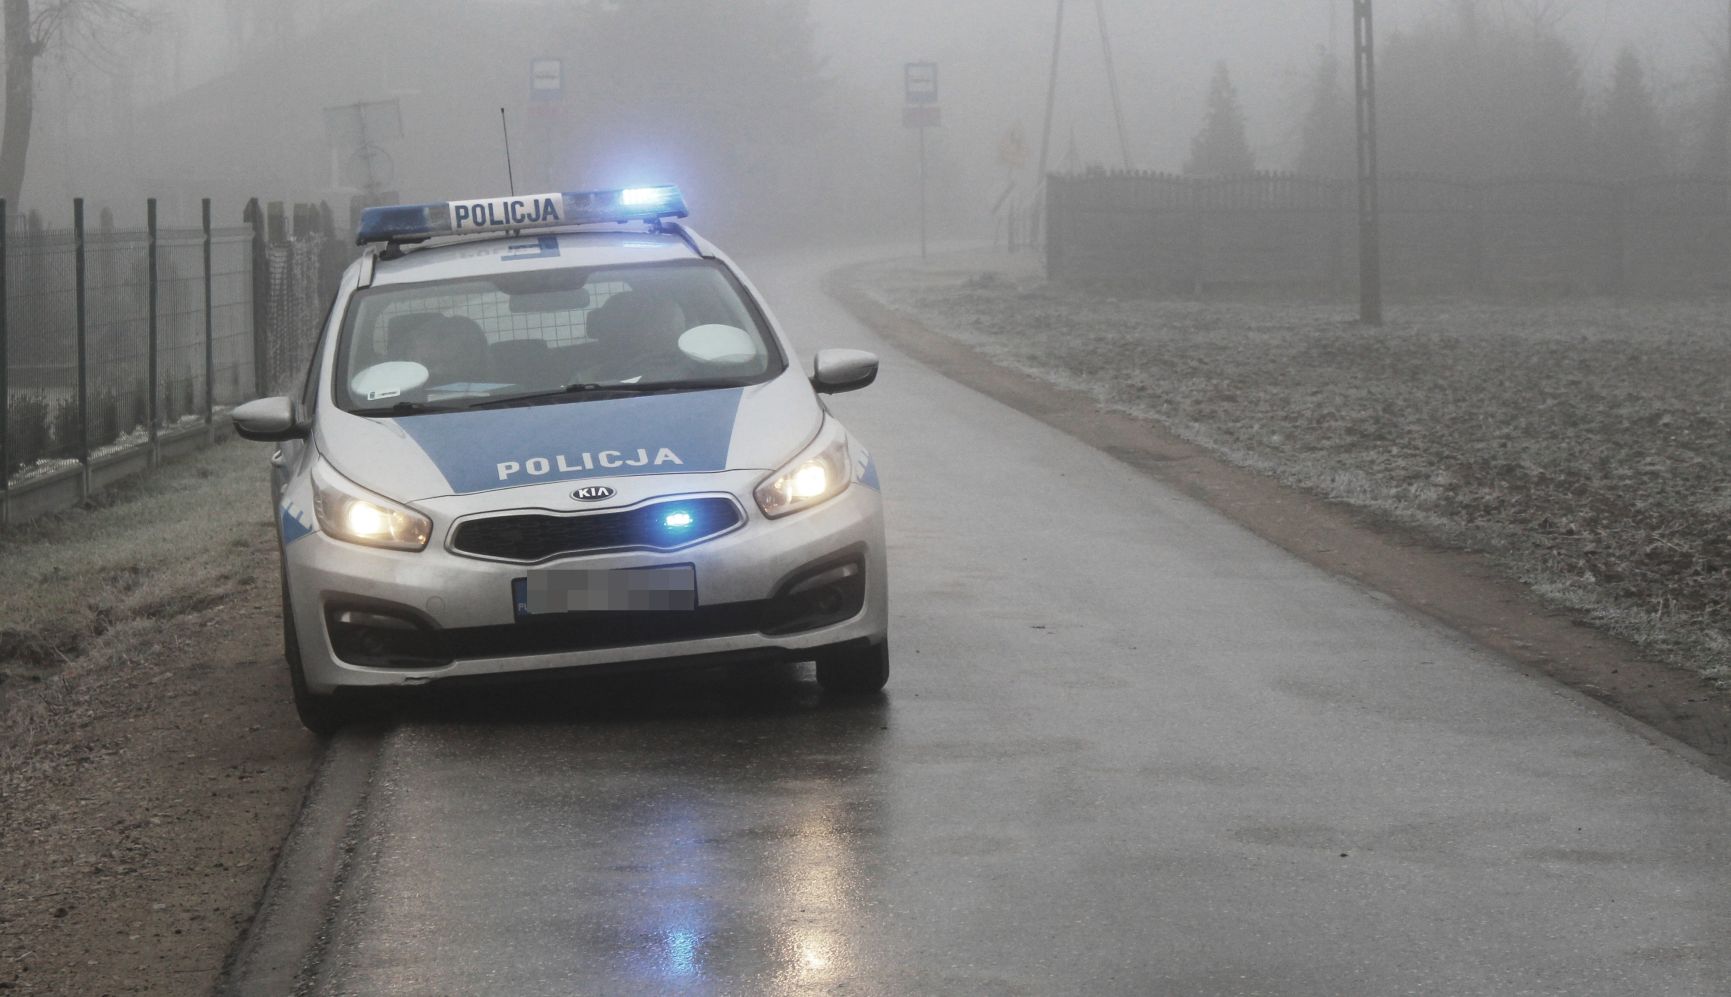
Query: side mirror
{"type": "Point", "coordinates": [836, 371]}
{"type": "Point", "coordinates": [268, 420]}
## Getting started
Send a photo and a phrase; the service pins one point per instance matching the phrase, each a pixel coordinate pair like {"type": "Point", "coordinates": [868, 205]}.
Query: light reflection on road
{"type": "Point", "coordinates": [819, 882]}
{"type": "Point", "coordinates": [723, 832]}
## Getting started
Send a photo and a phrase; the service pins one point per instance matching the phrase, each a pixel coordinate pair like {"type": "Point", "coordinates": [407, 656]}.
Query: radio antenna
{"type": "Point", "coordinates": [510, 177]}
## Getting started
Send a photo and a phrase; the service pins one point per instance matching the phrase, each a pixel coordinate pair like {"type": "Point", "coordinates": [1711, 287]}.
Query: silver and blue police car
{"type": "Point", "coordinates": [562, 431]}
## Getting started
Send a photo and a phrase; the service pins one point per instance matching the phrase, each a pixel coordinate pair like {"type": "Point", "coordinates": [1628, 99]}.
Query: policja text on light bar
{"type": "Point", "coordinates": [415, 222]}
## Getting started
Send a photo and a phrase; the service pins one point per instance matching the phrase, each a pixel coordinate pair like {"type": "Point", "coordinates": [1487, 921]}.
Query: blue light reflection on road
{"type": "Point", "coordinates": [682, 952]}
{"type": "Point", "coordinates": [677, 907]}
{"type": "Point", "coordinates": [682, 922]}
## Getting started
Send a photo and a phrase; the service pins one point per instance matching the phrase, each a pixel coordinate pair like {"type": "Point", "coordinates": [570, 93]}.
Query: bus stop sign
{"type": "Point", "coordinates": [546, 79]}
{"type": "Point", "coordinates": [922, 83]}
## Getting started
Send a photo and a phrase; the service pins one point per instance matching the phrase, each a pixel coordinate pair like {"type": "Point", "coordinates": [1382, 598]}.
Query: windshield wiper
{"type": "Point", "coordinates": [600, 392]}
{"type": "Point", "coordinates": [658, 387]}
{"type": "Point", "coordinates": [405, 408]}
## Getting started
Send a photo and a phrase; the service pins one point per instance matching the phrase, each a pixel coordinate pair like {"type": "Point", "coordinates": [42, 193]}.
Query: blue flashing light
{"type": "Point", "coordinates": [646, 197]}
{"type": "Point", "coordinates": [403, 221]}
{"type": "Point", "coordinates": [415, 222]}
{"type": "Point", "coordinates": [678, 520]}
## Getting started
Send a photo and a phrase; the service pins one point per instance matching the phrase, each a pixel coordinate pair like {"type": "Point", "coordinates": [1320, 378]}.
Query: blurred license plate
{"type": "Point", "coordinates": [574, 590]}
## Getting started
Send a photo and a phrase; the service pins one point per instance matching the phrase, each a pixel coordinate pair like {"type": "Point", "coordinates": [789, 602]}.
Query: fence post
{"type": "Point", "coordinates": [5, 397]}
{"type": "Point", "coordinates": [209, 337]}
{"type": "Point", "coordinates": [260, 298]}
{"type": "Point", "coordinates": [1480, 193]}
{"type": "Point", "coordinates": [1337, 243]}
{"type": "Point", "coordinates": [150, 222]}
{"type": "Point", "coordinates": [1193, 187]}
{"type": "Point", "coordinates": [1054, 229]}
{"type": "Point", "coordinates": [83, 359]}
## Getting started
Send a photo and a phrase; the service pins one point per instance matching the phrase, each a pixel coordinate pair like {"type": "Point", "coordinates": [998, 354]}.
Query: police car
{"type": "Point", "coordinates": [562, 431]}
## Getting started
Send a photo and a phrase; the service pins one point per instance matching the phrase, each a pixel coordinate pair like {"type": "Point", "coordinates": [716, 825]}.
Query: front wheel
{"type": "Point", "coordinates": [855, 671]}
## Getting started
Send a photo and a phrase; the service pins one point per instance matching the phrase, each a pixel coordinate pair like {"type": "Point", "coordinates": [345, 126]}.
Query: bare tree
{"type": "Point", "coordinates": [33, 29]}
{"type": "Point", "coordinates": [1543, 16]}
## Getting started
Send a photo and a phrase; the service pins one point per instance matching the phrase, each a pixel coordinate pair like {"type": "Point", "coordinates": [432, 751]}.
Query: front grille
{"type": "Point", "coordinates": [532, 537]}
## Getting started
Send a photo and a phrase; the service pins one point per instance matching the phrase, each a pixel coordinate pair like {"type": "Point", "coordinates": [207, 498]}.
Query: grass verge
{"type": "Point", "coordinates": [149, 764]}
{"type": "Point", "coordinates": [1585, 446]}
{"type": "Point", "coordinates": [90, 600]}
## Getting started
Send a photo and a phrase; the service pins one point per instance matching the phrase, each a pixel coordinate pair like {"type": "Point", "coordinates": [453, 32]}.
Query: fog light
{"type": "Point", "coordinates": [817, 598]}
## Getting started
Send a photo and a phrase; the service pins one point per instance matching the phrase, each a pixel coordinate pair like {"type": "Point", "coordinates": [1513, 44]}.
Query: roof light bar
{"type": "Point", "coordinates": [414, 222]}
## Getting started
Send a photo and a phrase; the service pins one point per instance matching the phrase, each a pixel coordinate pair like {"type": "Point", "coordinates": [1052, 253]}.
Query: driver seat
{"type": "Point", "coordinates": [637, 333]}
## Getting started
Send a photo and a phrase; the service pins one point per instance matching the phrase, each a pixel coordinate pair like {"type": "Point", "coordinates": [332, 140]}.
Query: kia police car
{"type": "Point", "coordinates": [562, 431]}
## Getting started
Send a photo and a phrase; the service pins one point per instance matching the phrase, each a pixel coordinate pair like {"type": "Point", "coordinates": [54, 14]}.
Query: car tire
{"type": "Point", "coordinates": [323, 715]}
{"type": "Point", "coordinates": [855, 671]}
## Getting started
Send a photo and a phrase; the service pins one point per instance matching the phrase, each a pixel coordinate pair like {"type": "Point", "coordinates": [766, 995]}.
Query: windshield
{"type": "Point", "coordinates": [549, 335]}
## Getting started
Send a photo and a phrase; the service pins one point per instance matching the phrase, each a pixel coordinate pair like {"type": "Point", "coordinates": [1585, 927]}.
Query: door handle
{"type": "Point", "coordinates": [278, 459]}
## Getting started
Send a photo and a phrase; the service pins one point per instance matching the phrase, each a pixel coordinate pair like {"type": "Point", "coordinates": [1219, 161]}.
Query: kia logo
{"type": "Point", "coordinates": [593, 493]}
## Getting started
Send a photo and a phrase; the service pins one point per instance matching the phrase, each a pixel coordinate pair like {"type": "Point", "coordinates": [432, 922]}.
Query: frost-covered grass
{"type": "Point", "coordinates": [1585, 444]}
{"type": "Point", "coordinates": [94, 601]}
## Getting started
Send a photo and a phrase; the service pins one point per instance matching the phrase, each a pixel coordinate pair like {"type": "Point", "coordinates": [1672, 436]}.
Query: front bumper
{"type": "Point", "coordinates": [752, 585]}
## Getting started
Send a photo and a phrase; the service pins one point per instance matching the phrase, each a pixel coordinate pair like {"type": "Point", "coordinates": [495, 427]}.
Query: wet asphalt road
{"type": "Point", "coordinates": [1126, 748]}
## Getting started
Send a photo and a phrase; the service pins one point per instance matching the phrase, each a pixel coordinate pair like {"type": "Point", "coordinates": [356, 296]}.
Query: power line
{"type": "Point", "coordinates": [1052, 98]}
{"type": "Point", "coordinates": [1112, 83]}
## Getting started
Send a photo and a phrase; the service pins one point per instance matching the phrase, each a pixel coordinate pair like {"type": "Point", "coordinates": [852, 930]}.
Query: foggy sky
{"type": "Point", "coordinates": [994, 56]}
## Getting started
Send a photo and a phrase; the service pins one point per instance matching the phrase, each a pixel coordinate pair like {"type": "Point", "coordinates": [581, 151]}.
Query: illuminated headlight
{"type": "Point", "coordinates": [346, 512]}
{"type": "Point", "coordinates": [817, 475]}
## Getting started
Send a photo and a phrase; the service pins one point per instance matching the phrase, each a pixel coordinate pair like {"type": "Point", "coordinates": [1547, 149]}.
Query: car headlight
{"type": "Point", "coordinates": [821, 472]}
{"type": "Point", "coordinates": [347, 512]}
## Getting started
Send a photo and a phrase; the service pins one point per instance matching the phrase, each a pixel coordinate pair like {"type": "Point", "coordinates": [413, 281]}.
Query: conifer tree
{"type": "Point", "coordinates": [1222, 147]}
{"type": "Point", "coordinates": [1630, 141]}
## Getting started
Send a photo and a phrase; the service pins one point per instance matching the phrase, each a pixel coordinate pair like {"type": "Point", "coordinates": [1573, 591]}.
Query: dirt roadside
{"type": "Point", "coordinates": [145, 798]}
{"type": "Point", "coordinates": [1464, 591]}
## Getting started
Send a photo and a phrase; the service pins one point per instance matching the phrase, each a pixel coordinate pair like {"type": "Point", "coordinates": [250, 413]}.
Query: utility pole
{"type": "Point", "coordinates": [1369, 198]}
{"type": "Point", "coordinates": [1051, 106]}
{"type": "Point", "coordinates": [1052, 103]}
{"type": "Point", "coordinates": [923, 183]}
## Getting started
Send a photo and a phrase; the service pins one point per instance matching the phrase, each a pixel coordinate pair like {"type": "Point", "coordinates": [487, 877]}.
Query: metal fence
{"type": "Point", "coordinates": [111, 340]}
{"type": "Point", "coordinates": [1178, 234]}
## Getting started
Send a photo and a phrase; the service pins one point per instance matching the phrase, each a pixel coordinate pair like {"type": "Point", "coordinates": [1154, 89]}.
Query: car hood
{"type": "Point", "coordinates": [461, 453]}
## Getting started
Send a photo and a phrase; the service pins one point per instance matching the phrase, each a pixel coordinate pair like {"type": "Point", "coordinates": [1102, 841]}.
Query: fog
{"type": "Point", "coordinates": [224, 98]}
{"type": "Point", "coordinates": [996, 55]}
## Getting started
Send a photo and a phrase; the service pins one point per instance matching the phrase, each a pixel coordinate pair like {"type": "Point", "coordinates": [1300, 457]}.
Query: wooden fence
{"type": "Point", "coordinates": [1187, 235]}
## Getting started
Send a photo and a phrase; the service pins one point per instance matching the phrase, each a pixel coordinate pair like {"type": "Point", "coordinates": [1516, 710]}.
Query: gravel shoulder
{"type": "Point", "coordinates": [1550, 480]}
{"type": "Point", "coordinates": [149, 763]}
